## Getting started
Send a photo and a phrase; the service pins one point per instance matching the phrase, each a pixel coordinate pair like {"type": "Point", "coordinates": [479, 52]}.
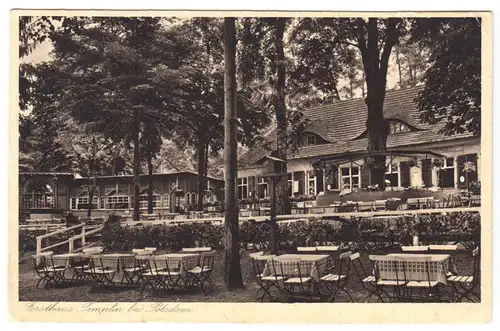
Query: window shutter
{"type": "Point", "coordinates": [251, 186]}
{"type": "Point", "coordinates": [365, 176]}
{"type": "Point", "coordinates": [404, 169]}
{"type": "Point", "coordinates": [427, 172]}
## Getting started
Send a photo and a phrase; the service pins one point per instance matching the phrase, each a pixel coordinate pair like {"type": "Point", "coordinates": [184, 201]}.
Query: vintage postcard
{"type": "Point", "coordinates": [250, 167]}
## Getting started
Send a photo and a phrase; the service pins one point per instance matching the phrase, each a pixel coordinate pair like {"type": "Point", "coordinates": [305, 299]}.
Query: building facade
{"type": "Point", "coordinates": [54, 193]}
{"type": "Point", "coordinates": [338, 130]}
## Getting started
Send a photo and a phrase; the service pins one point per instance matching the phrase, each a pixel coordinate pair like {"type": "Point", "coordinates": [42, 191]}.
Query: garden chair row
{"type": "Point", "coordinates": [102, 268]}
{"type": "Point", "coordinates": [402, 283]}
{"type": "Point", "coordinates": [295, 277]}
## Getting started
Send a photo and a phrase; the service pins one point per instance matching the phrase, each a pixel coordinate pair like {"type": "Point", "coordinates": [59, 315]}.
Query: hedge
{"type": "Point", "coordinates": [356, 233]}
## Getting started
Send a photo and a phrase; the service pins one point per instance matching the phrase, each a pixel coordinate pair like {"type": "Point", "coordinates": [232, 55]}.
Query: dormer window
{"type": "Point", "coordinates": [310, 140]}
{"type": "Point", "coordinates": [398, 127]}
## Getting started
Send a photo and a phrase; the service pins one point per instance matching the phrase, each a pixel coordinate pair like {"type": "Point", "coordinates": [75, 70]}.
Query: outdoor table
{"type": "Point", "coordinates": [315, 268]}
{"type": "Point", "coordinates": [196, 250]}
{"type": "Point", "coordinates": [439, 265]}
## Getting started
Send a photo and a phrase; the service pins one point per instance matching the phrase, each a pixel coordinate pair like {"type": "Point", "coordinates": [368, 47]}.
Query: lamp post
{"type": "Point", "coordinates": [270, 165]}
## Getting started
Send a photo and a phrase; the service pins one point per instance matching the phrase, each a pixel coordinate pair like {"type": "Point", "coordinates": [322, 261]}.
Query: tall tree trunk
{"type": "Point", "coordinates": [376, 80]}
{"type": "Point", "coordinates": [201, 172]}
{"type": "Point", "coordinates": [283, 200]}
{"type": "Point", "coordinates": [150, 184]}
{"type": "Point", "coordinates": [232, 265]}
{"type": "Point", "coordinates": [398, 62]}
{"type": "Point", "coordinates": [90, 190]}
{"type": "Point", "coordinates": [137, 163]}
{"type": "Point", "coordinates": [205, 171]}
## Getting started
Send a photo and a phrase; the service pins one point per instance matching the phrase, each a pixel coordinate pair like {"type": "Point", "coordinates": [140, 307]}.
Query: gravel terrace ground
{"type": "Point", "coordinates": [74, 292]}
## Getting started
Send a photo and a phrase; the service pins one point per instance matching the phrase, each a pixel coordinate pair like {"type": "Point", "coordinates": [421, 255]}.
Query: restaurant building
{"type": "Point", "coordinates": [49, 193]}
{"type": "Point", "coordinates": [337, 130]}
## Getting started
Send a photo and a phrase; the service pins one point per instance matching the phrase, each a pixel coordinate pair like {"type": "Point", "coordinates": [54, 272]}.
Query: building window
{"type": "Point", "coordinates": [398, 127]}
{"type": "Point", "coordinates": [143, 201]}
{"type": "Point", "coordinates": [392, 174]}
{"type": "Point", "coordinates": [310, 140]}
{"type": "Point", "coordinates": [447, 173]}
{"type": "Point", "coordinates": [117, 202]}
{"type": "Point", "coordinates": [72, 203]}
{"type": "Point", "coordinates": [311, 183]}
{"type": "Point", "coordinates": [243, 188]}
{"type": "Point", "coordinates": [262, 188]}
{"type": "Point", "coordinates": [83, 202]}
{"type": "Point", "coordinates": [350, 177]}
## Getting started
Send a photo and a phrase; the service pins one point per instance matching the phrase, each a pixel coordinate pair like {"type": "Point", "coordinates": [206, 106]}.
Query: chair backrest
{"type": "Point", "coordinates": [104, 261]}
{"type": "Point", "coordinates": [477, 265]}
{"type": "Point", "coordinates": [164, 263]}
{"type": "Point", "coordinates": [306, 249]}
{"type": "Point", "coordinates": [207, 259]}
{"type": "Point", "coordinates": [127, 262]}
{"type": "Point", "coordinates": [343, 264]}
{"type": "Point", "coordinates": [415, 249]}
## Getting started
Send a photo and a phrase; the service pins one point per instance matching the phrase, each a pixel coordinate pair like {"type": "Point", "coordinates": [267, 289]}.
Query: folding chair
{"type": "Point", "coordinates": [367, 281]}
{"type": "Point", "coordinates": [148, 274]}
{"type": "Point", "coordinates": [200, 275]}
{"type": "Point", "coordinates": [47, 271]}
{"type": "Point", "coordinates": [336, 281]}
{"type": "Point", "coordinates": [464, 286]}
{"type": "Point", "coordinates": [295, 271]}
{"type": "Point", "coordinates": [102, 270]}
{"type": "Point", "coordinates": [167, 272]}
{"type": "Point", "coordinates": [388, 265]}
{"type": "Point", "coordinates": [428, 287]}
{"type": "Point", "coordinates": [131, 269]}
{"type": "Point", "coordinates": [266, 283]}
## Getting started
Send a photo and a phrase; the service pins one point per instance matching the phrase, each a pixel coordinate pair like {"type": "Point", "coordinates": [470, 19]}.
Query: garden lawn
{"type": "Point", "coordinates": [74, 292]}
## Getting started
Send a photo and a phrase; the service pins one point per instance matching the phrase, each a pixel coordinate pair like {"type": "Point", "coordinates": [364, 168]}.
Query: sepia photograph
{"type": "Point", "coordinates": [260, 158]}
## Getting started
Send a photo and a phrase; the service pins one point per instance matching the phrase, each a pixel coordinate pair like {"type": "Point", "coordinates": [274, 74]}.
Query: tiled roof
{"type": "Point", "coordinates": [342, 122]}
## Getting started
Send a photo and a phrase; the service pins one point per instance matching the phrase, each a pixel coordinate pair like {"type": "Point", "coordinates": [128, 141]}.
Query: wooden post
{"type": "Point", "coordinates": [71, 245]}
{"type": "Point", "coordinates": [83, 236]}
{"type": "Point", "coordinates": [38, 249]}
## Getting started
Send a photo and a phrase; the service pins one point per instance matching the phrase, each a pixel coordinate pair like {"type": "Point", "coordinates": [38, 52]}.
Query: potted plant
{"type": "Point", "coordinates": [412, 162]}
{"type": "Point", "coordinates": [438, 163]}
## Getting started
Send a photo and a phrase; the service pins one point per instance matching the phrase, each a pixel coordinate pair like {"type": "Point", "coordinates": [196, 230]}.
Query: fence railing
{"type": "Point", "coordinates": [70, 241]}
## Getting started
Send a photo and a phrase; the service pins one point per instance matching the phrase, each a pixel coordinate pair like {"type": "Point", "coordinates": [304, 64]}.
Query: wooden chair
{"type": "Point", "coordinates": [336, 280]}
{"type": "Point", "coordinates": [201, 275]}
{"type": "Point", "coordinates": [427, 287]}
{"type": "Point", "coordinates": [148, 274]}
{"type": "Point", "coordinates": [48, 272]}
{"type": "Point", "coordinates": [266, 282]}
{"type": "Point", "coordinates": [167, 273]}
{"type": "Point", "coordinates": [367, 281]}
{"type": "Point", "coordinates": [396, 282]}
{"type": "Point", "coordinates": [131, 269]}
{"type": "Point", "coordinates": [464, 286]}
{"type": "Point", "coordinates": [297, 282]}
{"type": "Point", "coordinates": [102, 270]}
